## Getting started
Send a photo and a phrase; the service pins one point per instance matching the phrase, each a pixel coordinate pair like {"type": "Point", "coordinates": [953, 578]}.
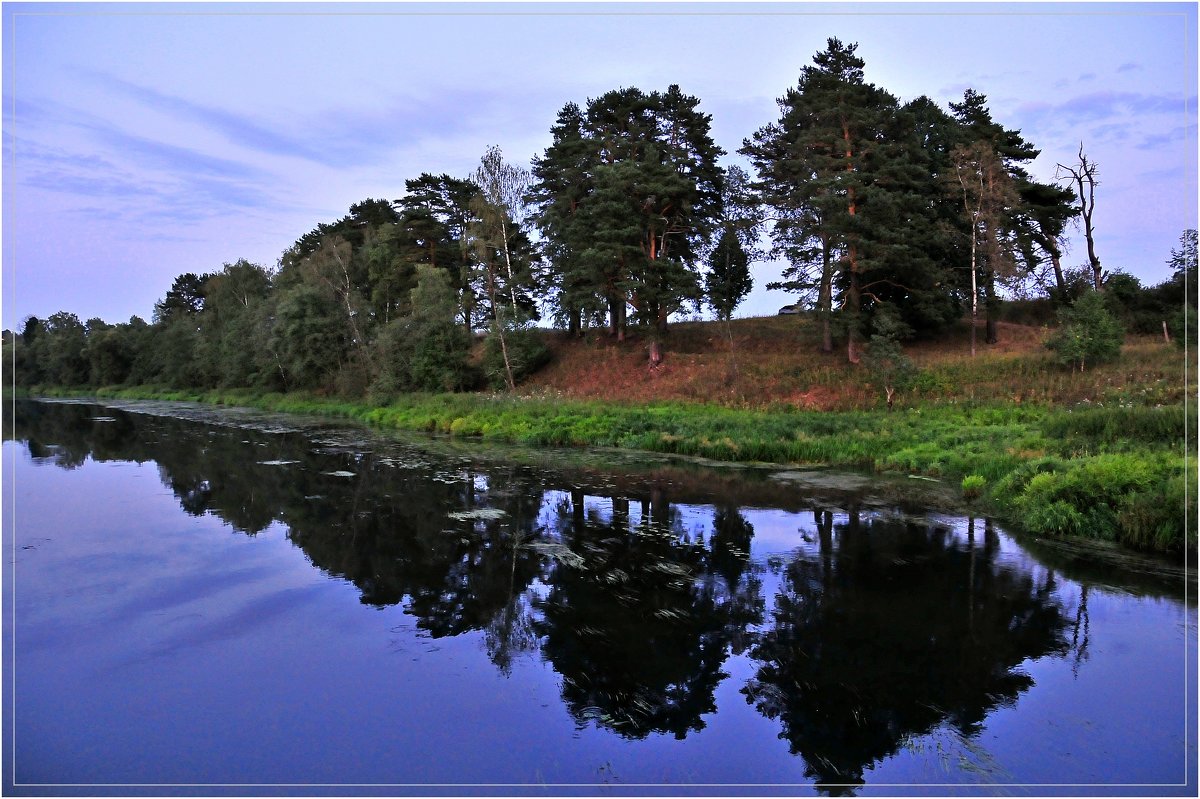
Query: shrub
{"type": "Point", "coordinates": [1087, 333]}
{"type": "Point", "coordinates": [972, 486]}
{"type": "Point", "coordinates": [1137, 499]}
{"type": "Point", "coordinates": [889, 368]}
{"type": "Point", "coordinates": [526, 350]}
{"type": "Point", "coordinates": [1055, 518]}
{"type": "Point", "coordinates": [1157, 518]}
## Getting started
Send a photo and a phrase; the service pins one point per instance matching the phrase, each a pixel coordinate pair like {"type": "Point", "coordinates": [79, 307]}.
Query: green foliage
{"type": "Point", "coordinates": [1118, 427]}
{"type": "Point", "coordinates": [439, 359]}
{"type": "Point", "coordinates": [1138, 309]}
{"type": "Point", "coordinates": [1133, 498]}
{"type": "Point", "coordinates": [527, 352]}
{"type": "Point", "coordinates": [110, 354]}
{"type": "Point", "coordinates": [1183, 263]}
{"type": "Point", "coordinates": [309, 337]}
{"type": "Point", "coordinates": [1087, 334]}
{"type": "Point", "coordinates": [427, 350]}
{"type": "Point", "coordinates": [866, 215]}
{"type": "Point", "coordinates": [628, 194]}
{"type": "Point", "coordinates": [1156, 519]}
{"type": "Point", "coordinates": [185, 297]}
{"type": "Point", "coordinates": [887, 365]}
{"type": "Point", "coordinates": [1182, 327]}
{"type": "Point", "coordinates": [59, 347]}
{"type": "Point", "coordinates": [236, 327]}
{"type": "Point", "coordinates": [972, 486]}
{"type": "Point", "coordinates": [728, 280]}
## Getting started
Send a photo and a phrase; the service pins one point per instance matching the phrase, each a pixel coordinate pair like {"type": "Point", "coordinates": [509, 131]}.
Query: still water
{"type": "Point", "coordinates": [223, 601]}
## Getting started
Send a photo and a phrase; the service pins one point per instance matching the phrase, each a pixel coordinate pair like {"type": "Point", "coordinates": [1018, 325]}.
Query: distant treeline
{"type": "Point", "coordinates": [627, 218]}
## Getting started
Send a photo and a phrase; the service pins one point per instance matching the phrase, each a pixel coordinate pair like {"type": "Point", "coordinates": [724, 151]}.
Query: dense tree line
{"type": "Point", "coordinates": [881, 210]}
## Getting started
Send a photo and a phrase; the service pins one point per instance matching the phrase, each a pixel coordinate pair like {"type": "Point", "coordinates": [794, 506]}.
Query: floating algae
{"type": "Point", "coordinates": [478, 513]}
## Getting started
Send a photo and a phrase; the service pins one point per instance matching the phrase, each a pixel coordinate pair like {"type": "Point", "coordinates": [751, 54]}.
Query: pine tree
{"type": "Point", "coordinates": [434, 224]}
{"type": "Point", "coordinates": [849, 206]}
{"type": "Point", "coordinates": [628, 195]}
{"type": "Point", "coordinates": [563, 179]}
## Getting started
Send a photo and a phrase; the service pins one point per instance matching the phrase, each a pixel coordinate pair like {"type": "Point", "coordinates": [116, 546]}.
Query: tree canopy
{"type": "Point", "coordinates": [627, 219]}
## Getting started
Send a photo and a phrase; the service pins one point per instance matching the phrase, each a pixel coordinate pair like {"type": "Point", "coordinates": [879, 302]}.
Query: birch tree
{"type": "Point", "coordinates": [987, 194]}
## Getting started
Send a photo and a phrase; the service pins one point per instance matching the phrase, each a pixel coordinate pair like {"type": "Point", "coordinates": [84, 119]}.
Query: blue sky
{"type": "Point", "coordinates": [146, 140]}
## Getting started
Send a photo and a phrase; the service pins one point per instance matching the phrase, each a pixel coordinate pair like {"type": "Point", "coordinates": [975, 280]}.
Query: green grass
{"type": "Point", "coordinates": [1112, 473]}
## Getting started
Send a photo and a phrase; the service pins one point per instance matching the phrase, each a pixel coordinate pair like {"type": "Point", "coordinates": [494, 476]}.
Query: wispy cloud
{"type": "Point", "coordinates": [1109, 107]}
{"type": "Point", "coordinates": [1112, 132]}
{"type": "Point", "coordinates": [335, 136]}
{"type": "Point", "coordinates": [1177, 134]}
{"type": "Point", "coordinates": [239, 130]}
{"type": "Point", "coordinates": [34, 119]}
{"type": "Point", "coordinates": [359, 135]}
{"type": "Point", "coordinates": [1129, 66]}
{"type": "Point", "coordinates": [156, 181]}
{"type": "Point", "coordinates": [178, 159]}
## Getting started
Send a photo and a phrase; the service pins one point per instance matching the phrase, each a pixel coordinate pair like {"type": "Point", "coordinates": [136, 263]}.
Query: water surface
{"type": "Point", "coordinates": [229, 601]}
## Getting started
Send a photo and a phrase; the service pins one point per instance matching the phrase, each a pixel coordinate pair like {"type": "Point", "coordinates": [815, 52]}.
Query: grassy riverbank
{"type": "Point", "coordinates": [1109, 473]}
{"type": "Point", "coordinates": [1102, 454]}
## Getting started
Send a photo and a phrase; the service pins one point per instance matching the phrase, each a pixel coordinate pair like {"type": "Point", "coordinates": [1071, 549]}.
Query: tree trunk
{"type": "Point", "coordinates": [508, 375]}
{"type": "Point", "coordinates": [577, 518]}
{"type": "Point", "coordinates": [992, 306]}
{"type": "Point", "coordinates": [499, 323]}
{"type": "Point", "coordinates": [1084, 176]}
{"type": "Point", "coordinates": [616, 315]}
{"type": "Point", "coordinates": [655, 353]}
{"type": "Point", "coordinates": [853, 301]}
{"type": "Point", "coordinates": [733, 368]}
{"type": "Point", "coordinates": [1093, 261]}
{"type": "Point", "coordinates": [853, 297]}
{"type": "Point", "coordinates": [512, 288]}
{"type": "Point", "coordinates": [824, 522]}
{"type": "Point", "coordinates": [620, 514]}
{"type": "Point", "coordinates": [1059, 280]}
{"type": "Point", "coordinates": [974, 286]}
{"type": "Point", "coordinates": [825, 301]}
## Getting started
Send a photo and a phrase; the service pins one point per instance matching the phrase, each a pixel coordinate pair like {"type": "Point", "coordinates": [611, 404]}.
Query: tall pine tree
{"type": "Point", "coordinates": [628, 195]}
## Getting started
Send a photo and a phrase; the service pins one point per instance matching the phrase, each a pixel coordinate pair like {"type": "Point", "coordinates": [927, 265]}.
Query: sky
{"type": "Point", "coordinates": [142, 141]}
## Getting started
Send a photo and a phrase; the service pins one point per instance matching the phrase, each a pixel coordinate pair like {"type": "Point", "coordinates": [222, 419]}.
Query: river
{"type": "Point", "coordinates": [217, 601]}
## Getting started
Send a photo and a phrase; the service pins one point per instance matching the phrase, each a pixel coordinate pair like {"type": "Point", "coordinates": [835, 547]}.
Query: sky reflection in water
{"type": "Point", "coordinates": [250, 603]}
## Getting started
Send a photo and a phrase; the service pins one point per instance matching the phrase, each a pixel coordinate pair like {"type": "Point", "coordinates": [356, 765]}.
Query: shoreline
{"type": "Point", "coordinates": [1008, 448]}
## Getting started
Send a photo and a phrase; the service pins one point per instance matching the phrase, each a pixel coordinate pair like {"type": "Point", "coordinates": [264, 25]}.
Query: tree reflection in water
{"type": "Point", "coordinates": [882, 630]}
{"type": "Point", "coordinates": [638, 623]}
{"type": "Point", "coordinates": [892, 628]}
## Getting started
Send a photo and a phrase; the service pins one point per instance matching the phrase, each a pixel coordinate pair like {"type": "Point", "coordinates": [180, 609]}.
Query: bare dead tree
{"type": "Point", "coordinates": [1083, 175]}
